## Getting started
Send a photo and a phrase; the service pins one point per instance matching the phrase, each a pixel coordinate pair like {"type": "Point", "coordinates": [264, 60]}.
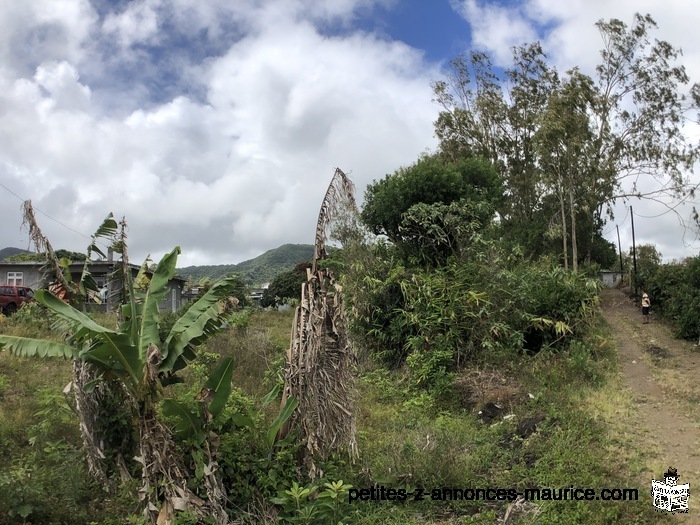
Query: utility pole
{"type": "Point", "coordinates": [634, 253]}
{"type": "Point", "coordinates": [619, 250]}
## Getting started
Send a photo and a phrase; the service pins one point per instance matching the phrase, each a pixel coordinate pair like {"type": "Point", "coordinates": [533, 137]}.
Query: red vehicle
{"type": "Point", "coordinates": [12, 297]}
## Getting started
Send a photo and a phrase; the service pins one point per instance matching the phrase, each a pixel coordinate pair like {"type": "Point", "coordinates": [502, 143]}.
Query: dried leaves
{"type": "Point", "coordinates": [319, 370]}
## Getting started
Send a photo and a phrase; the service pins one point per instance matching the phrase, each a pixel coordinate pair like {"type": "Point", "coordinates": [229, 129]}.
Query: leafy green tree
{"type": "Point", "coordinates": [430, 180]}
{"type": "Point", "coordinates": [636, 109]}
{"type": "Point", "coordinates": [60, 253]}
{"type": "Point", "coordinates": [648, 261]}
{"type": "Point", "coordinates": [642, 107]}
{"type": "Point", "coordinates": [563, 143]}
{"type": "Point", "coordinates": [286, 285]}
{"type": "Point", "coordinates": [673, 289]}
{"type": "Point", "coordinates": [497, 118]}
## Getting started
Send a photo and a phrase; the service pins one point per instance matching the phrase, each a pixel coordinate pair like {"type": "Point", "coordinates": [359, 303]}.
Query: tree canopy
{"type": "Point", "coordinates": [431, 180]}
{"type": "Point", "coordinates": [286, 285]}
{"type": "Point", "coordinates": [568, 147]}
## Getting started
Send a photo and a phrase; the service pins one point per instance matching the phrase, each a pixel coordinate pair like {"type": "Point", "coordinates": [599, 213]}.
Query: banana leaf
{"type": "Point", "coordinates": [112, 352]}
{"type": "Point", "coordinates": [282, 418]}
{"type": "Point", "coordinates": [203, 319]}
{"type": "Point", "coordinates": [188, 423]}
{"type": "Point", "coordinates": [26, 347]}
{"type": "Point", "coordinates": [157, 289]}
{"type": "Point", "coordinates": [220, 382]}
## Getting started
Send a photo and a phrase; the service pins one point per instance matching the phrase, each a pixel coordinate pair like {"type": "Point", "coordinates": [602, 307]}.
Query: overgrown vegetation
{"type": "Point", "coordinates": [674, 291]}
{"type": "Point", "coordinates": [407, 438]}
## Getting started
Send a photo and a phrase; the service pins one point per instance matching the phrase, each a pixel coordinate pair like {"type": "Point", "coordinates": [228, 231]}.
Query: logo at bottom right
{"type": "Point", "coordinates": [668, 495]}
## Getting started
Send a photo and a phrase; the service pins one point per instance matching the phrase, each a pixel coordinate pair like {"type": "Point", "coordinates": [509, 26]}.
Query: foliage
{"type": "Point", "coordinates": [60, 253]}
{"type": "Point", "coordinates": [447, 446]}
{"type": "Point", "coordinates": [648, 261]}
{"type": "Point", "coordinates": [142, 365]}
{"type": "Point", "coordinates": [432, 233]}
{"type": "Point", "coordinates": [286, 285]}
{"type": "Point", "coordinates": [321, 504]}
{"type": "Point", "coordinates": [674, 292]}
{"type": "Point", "coordinates": [44, 480]}
{"type": "Point", "coordinates": [489, 300]}
{"type": "Point", "coordinates": [568, 148]}
{"type": "Point", "coordinates": [430, 180]}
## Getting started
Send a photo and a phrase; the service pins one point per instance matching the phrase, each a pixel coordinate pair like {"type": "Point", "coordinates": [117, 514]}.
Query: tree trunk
{"type": "Point", "coordinates": [164, 475]}
{"type": "Point", "coordinates": [88, 408]}
{"type": "Point", "coordinates": [563, 222]}
{"type": "Point", "coordinates": [572, 211]}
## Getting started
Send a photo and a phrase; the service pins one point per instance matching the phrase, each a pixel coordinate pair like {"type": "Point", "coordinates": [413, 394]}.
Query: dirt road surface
{"type": "Point", "coordinates": [662, 375]}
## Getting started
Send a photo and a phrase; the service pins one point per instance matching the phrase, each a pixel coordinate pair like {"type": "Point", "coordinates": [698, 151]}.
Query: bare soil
{"type": "Point", "coordinates": [662, 375]}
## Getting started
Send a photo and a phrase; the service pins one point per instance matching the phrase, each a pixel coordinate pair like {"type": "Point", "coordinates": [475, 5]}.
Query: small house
{"type": "Point", "coordinates": [31, 274]}
{"type": "Point", "coordinates": [611, 279]}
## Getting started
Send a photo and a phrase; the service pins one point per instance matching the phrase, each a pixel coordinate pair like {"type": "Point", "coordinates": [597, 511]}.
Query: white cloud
{"type": "Point", "coordinates": [137, 24]}
{"type": "Point", "coordinates": [43, 30]}
{"type": "Point", "coordinates": [231, 172]}
{"type": "Point", "coordinates": [497, 29]}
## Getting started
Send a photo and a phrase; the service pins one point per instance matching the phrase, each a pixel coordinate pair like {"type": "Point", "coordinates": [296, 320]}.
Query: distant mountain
{"type": "Point", "coordinates": [9, 252]}
{"type": "Point", "coordinates": [262, 268]}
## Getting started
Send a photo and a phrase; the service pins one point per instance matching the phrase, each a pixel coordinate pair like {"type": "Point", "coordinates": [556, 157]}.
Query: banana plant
{"type": "Point", "coordinates": [134, 356]}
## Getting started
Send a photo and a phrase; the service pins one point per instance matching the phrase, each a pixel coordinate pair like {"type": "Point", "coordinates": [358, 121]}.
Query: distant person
{"type": "Point", "coordinates": [646, 304]}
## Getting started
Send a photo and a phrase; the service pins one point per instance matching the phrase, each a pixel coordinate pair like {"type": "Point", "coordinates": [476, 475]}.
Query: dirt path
{"type": "Point", "coordinates": [663, 377]}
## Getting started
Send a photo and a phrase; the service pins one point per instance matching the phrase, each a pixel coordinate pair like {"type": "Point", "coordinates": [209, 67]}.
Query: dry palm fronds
{"type": "Point", "coordinates": [164, 475]}
{"type": "Point", "coordinates": [87, 405]}
{"type": "Point", "coordinates": [88, 409]}
{"type": "Point", "coordinates": [42, 245]}
{"type": "Point", "coordinates": [320, 361]}
{"type": "Point", "coordinates": [339, 196]}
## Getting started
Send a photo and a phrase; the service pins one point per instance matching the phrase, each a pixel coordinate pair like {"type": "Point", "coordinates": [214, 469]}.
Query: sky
{"type": "Point", "coordinates": [216, 126]}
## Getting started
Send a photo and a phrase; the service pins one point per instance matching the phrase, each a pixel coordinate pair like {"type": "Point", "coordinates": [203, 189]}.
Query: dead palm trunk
{"type": "Point", "coordinates": [86, 405]}
{"type": "Point", "coordinates": [320, 360]}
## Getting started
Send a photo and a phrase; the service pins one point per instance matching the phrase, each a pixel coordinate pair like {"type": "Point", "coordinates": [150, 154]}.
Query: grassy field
{"type": "Point", "coordinates": [560, 423]}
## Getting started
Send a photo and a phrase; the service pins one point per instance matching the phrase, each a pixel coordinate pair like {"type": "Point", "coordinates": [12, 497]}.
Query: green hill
{"type": "Point", "coordinates": [9, 252]}
{"type": "Point", "coordinates": [261, 269]}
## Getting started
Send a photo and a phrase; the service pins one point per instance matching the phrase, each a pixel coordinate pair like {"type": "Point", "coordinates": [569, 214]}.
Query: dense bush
{"type": "Point", "coordinates": [489, 300]}
{"type": "Point", "coordinates": [430, 180]}
{"type": "Point", "coordinates": [285, 286]}
{"type": "Point", "coordinates": [675, 292]}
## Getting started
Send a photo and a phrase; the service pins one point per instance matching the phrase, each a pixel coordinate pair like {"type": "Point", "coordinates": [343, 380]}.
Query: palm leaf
{"type": "Point", "coordinates": [25, 347]}
{"type": "Point", "coordinates": [107, 230]}
{"type": "Point", "coordinates": [203, 319]}
{"type": "Point", "coordinates": [148, 319]}
{"type": "Point", "coordinates": [220, 382]}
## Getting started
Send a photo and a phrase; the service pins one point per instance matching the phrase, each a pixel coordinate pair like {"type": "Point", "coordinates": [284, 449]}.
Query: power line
{"type": "Point", "coordinates": [627, 212]}
{"type": "Point", "coordinates": [46, 214]}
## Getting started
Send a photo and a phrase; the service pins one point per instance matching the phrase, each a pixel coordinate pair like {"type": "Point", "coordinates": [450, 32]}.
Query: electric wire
{"type": "Point", "coordinates": [49, 216]}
